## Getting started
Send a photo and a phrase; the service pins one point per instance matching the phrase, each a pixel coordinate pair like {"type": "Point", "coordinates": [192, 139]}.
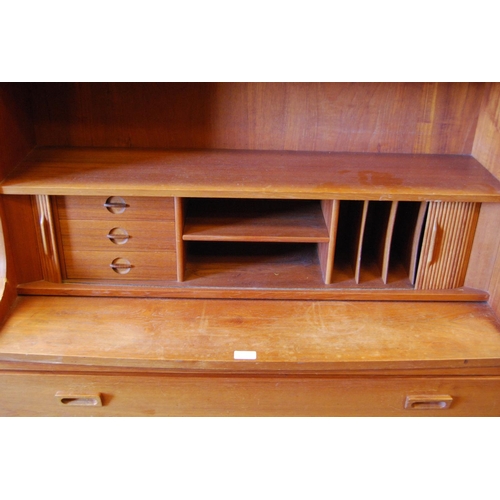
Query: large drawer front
{"type": "Point", "coordinates": [34, 394]}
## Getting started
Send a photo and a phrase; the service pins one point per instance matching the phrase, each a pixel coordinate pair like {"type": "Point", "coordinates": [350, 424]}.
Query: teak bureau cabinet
{"type": "Point", "coordinates": [260, 249]}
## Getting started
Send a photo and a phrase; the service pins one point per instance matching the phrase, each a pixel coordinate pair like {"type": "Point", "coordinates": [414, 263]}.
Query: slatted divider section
{"type": "Point", "coordinates": [326, 251]}
{"type": "Point", "coordinates": [378, 242]}
{"type": "Point", "coordinates": [447, 242]}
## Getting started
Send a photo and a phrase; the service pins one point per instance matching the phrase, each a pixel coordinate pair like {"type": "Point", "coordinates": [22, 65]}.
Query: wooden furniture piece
{"type": "Point", "coordinates": [250, 249]}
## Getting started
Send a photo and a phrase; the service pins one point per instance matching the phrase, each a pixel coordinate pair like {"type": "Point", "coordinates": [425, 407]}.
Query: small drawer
{"type": "Point", "coordinates": [115, 208]}
{"type": "Point", "coordinates": [133, 236]}
{"type": "Point", "coordinates": [120, 265]}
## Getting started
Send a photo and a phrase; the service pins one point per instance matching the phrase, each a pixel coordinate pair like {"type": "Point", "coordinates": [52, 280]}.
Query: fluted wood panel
{"type": "Point", "coordinates": [47, 238]}
{"type": "Point", "coordinates": [447, 240]}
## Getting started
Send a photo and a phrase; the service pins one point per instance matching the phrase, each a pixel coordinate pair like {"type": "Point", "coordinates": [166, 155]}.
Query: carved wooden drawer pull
{"type": "Point", "coordinates": [115, 205]}
{"type": "Point", "coordinates": [68, 399]}
{"type": "Point", "coordinates": [121, 266]}
{"type": "Point", "coordinates": [118, 236]}
{"type": "Point", "coordinates": [428, 402]}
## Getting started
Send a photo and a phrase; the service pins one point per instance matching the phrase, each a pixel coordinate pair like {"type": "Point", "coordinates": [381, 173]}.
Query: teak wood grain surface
{"type": "Point", "coordinates": [29, 394]}
{"type": "Point", "coordinates": [399, 117]}
{"type": "Point", "coordinates": [246, 174]}
{"type": "Point", "coordinates": [286, 335]}
{"type": "Point", "coordinates": [141, 353]}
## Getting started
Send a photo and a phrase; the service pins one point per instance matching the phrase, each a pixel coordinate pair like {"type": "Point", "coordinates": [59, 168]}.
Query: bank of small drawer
{"type": "Point", "coordinates": [93, 208]}
{"type": "Point", "coordinates": [139, 236]}
{"type": "Point", "coordinates": [99, 265]}
{"type": "Point", "coordinates": [177, 395]}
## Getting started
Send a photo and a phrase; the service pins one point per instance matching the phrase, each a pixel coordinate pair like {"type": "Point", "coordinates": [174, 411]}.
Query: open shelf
{"type": "Point", "coordinates": [253, 265]}
{"type": "Point", "coordinates": [268, 220]}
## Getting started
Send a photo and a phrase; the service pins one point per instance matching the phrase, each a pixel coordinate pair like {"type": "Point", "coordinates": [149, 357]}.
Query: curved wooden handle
{"type": "Point", "coordinates": [118, 204]}
{"type": "Point", "coordinates": [69, 399]}
{"type": "Point", "coordinates": [121, 266]}
{"type": "Point", "coordinates": [44, 234]}
{"type": "Point", "coordinates": [428, 402]}
{"type": "Point", "coordinates": [118, 236]}
{"type": "Point", "coordinates": [432, 246]}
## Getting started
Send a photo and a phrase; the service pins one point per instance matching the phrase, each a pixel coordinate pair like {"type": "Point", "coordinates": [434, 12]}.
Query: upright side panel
{"type": "Point", "coordinates": [484, 271]}
{"type": "Point", "coordinates": [17, 138]}
{"type": "Point", "coordinates": [23, 238]}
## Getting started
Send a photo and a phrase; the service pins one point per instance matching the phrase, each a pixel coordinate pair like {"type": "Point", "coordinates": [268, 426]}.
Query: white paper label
{"type": "Point", "coordinates": [245, 354]}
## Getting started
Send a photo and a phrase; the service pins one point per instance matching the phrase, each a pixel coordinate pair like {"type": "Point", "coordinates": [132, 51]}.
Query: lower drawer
{"type": "Point", "coordinates": [34, 394]}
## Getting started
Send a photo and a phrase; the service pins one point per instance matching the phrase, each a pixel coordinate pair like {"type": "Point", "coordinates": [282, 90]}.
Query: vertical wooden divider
{"type": "Point", "coordinates": [180, 245]}
{"type": "Point", "coordinates": [326, 251]}
{"type": "Point", "coordinates": [42, 212]}
{"type": "Point", "coordinates": [429, 232]}
{"type": "Point", "coordinates": [388, 240]}
{"type": "Point", "coordinates": [417, 233]}
{"type": "Point", "coordinates": [361, 234]}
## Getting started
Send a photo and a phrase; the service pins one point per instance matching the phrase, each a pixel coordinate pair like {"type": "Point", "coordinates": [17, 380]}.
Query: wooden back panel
{"type": "Point", "coordinates": [351, 117]}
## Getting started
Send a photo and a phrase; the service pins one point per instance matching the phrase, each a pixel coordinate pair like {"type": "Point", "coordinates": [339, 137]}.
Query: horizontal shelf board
{"type": "Point", "coordinates": [247, 174]}
{"type": "Point", "coordinates": [171, 289]}
{"type": "Point", "coordinates": [270, 221]}
{"type": "Point", "coordinates": [279, 266]}
{"type": "Point", "coordinates": [203, 334]}
{"type": "Point", "coordinates": [254, 266]}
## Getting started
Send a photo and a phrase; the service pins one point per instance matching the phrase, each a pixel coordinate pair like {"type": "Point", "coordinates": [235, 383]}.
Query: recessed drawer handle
{"type": "Point", "coordinates": [432, 246]}
{"type": "Point", "coordinates": [428, 402]}
{"type": "Point", "coordinates": [118, 236]}
{"type": "Point", "coordinates": [120, 266]}
{"type": "Point", "coordinates": [115, 205]}
{"type": "Point", "coordinates": [66, 399]}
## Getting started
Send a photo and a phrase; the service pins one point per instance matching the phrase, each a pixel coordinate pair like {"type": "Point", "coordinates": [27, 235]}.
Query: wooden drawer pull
{"type": "Point", "coordinates": [118, 235]}
{"type": "Point", "coordinates": [121, 266]}
{"type": "Point", "coordinates": [66, 399]}
{"type": "Point", "coordinates": [115, 205]}
{"type": "Point", "coordinates": [426, 402]}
